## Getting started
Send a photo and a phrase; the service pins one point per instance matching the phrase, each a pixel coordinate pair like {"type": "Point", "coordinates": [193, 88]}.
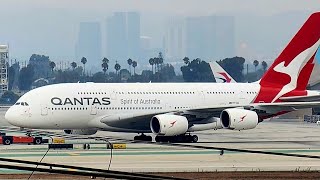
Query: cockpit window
{"type": "Point", "coordinates": [22, 103]}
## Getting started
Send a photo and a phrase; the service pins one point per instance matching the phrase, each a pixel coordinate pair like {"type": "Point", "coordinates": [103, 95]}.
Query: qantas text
{"type": "Point", "coordinates": [81, 101]}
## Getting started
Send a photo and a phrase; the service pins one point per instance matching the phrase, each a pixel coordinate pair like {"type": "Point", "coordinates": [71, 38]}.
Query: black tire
{"type": "Point", "coordinates": [7, 141]}
{"type": "Point", "coordinates": [149, 138]}
{"type": "Point", "coordinates": [157, 139]}
{"type": "Point", "coordinates": [37, 140]}
{"type": "Point", "coordinates": [136, 138]}
{"type": "Point", "coordinates": [195, 138]}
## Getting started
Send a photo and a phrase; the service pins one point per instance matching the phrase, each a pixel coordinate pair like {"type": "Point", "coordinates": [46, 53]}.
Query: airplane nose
{"type": "Point", "coordinates": [11, 117]}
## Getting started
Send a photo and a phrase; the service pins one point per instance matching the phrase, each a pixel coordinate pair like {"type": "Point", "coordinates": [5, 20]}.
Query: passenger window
{"type": "Point", "coordinates": [26, 104]}
{"type": "Point", "coordinates": [18, 103]}
{"type": "Point", "coordinates": [22, 103]}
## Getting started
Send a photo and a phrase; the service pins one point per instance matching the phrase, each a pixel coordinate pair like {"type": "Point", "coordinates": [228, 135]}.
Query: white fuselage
{"type": "Point", "coordinates": [81, 105]}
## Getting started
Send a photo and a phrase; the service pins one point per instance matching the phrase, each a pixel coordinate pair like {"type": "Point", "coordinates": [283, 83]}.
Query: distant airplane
{"type": "Point", "coordinates": [220, 74]}
{"type": "Point", "coordinates": [172, 111]}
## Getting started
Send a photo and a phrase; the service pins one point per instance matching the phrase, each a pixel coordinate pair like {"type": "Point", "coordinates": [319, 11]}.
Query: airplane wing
{"type": "Point", "coordinates": [265, 106]}
{"type": "Point", "coordinates": [131, 120]}
{"type": "Point", "coordinates": [301, 98]}
{"type": "Point", "coordinates": [142, 121]}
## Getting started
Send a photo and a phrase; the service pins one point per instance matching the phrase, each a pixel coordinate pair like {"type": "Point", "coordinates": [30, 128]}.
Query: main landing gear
{"type": "Point", "coordinates": [143, 137]}
{"type": "Point", "coordinates": [178, 139]}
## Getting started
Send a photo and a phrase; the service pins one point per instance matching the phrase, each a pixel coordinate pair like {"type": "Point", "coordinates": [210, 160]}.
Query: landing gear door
{"type": "Point", "coordinates": [93, 110]}
{"type": "Point", "coordinates": [44, 110]}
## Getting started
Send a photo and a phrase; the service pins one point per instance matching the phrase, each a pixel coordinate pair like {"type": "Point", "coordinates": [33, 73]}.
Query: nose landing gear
{"type": "Point", "coordinates": [143, 137]}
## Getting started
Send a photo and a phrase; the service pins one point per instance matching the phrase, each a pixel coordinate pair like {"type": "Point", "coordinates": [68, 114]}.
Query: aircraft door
{"type": "Point", "coordinates": [242, 97]}
{"type": "Point", "coordinates": [168, 107]}
{"type": "Point", "coordinates": [93, 110]}
{"type": "Point", "coordinates": [44, 110]}
{"type": "Point", "coordinates": [113, 95]}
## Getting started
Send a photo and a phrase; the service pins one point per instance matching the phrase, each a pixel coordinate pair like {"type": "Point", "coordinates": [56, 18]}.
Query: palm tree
{"type": "Point", "coordinates": [130, 63]}
{"type": "Point", "coordinates": [105, 67]}
{"type": "Point", "coordinates": [84, 61]}
{"type": "Point", "coordinates": [255, 63]}
{"type": "Point", "coordinates": [105, 60]}
{"type": "Point", "coordinates": [264, 66]}
{"type": "Point", "coordinates": [134, 65]}
{"type": "Point", "coordinates": [186, 60]}
{"type": "Point", "coordinates": [117, 67]}
{"type": "Point", "coordinates": [73, 65]}
{"type": "Point", "coordinates": [156, 62]}
{"type": "Point", "coordinates": [160, 60]}
{"type": "Point", "coordinates": [151, 62]}
{"type": "Point", "coordinates": [52, 65]}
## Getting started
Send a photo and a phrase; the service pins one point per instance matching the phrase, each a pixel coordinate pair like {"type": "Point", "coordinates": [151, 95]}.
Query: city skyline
{"type": "Point", "coordinates": [259, 33]}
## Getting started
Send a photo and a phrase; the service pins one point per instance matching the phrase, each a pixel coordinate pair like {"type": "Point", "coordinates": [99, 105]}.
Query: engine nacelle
{"type": "Point", "coordinates": [168, 124]}
{"type": "Point", "coordinates": [80, 131]}
{"type": "Point", "coordinates": [238, 119]}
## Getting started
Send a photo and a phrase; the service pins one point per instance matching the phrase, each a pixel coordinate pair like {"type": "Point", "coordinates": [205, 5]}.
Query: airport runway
{"type": "Point", "coordinates": [286, 137]}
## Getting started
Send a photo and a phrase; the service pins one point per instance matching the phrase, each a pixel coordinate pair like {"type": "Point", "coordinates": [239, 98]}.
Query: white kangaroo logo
{"type": "Point", "coordinates": [294, 68]}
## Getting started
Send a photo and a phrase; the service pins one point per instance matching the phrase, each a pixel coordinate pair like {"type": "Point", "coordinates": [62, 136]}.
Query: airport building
{"type": "Point", "coordinates": [4, 59]}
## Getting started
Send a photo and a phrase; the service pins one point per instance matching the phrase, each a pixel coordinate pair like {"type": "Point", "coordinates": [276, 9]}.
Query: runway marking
{"type": "Point", "coordinates": [147, 153]}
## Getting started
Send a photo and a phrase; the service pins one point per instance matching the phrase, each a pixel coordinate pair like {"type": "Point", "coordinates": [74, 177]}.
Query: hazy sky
{"type": "Point", "coordinates": [185, 7]}
{"type": "Point", "coordinates": [50, 27]}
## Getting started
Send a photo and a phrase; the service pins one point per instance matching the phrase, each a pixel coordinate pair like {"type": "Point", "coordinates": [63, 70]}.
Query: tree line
{"type": "Point", "coordinates": [42, 71]}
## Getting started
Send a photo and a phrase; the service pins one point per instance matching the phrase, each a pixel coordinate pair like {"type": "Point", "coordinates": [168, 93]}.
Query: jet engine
{"type": "Point", "coordinates": [168, 125]}
{"type": "Point", "coordinates": [81, 131]}
{"type": "Point", "coordinates": [238, 119]}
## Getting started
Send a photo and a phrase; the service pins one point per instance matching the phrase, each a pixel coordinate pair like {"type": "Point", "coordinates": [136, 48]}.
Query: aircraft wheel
{"type": "Point", "coordinates": [148, 138]}
{"type": "Point", "coordinates": [7, 142]}
{"type": "Point", "coordinates": [37, 141]}
{"type": "Point", "coordinates": [157, 139]}
{"type": "Point", "coordinates": [136, 138]}
{"type": "Point", "coordinates": [195, 138]}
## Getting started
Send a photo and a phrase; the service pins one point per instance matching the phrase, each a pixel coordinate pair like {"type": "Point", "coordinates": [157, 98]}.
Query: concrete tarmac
{"type": "Point", "coordinates": [285, 137]}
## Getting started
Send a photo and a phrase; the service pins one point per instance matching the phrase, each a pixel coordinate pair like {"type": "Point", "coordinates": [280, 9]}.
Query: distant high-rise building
{"type": "Point", "coordinates": [174, 40]}
{"type": "Point", "coordinates": [89, 43]}
{"type": "Point", "coordinates": [210, 37]}
{"type": "Point", "coordinates": [123, 36]}
{"type": "Point", "coordinates": [133, 34]}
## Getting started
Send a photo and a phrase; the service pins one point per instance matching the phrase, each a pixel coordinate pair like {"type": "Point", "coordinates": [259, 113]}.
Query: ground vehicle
{"type": "Point", "coordinates": [7, 140]}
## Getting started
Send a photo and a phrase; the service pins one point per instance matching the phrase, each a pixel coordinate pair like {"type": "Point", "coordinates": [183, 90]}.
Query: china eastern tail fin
{"type": "Point", "coordinates": [290, 72]}
{"type": "Point", "coordinates": [220, 74]}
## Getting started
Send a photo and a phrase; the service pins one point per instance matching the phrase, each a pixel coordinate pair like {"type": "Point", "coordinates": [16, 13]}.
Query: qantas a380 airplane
{"type": "Point", "coordinates": [173, 110]}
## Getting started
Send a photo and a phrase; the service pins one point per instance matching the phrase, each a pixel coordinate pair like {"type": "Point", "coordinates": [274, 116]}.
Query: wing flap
{"type": "Point", "coordinates": [301, 98]}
